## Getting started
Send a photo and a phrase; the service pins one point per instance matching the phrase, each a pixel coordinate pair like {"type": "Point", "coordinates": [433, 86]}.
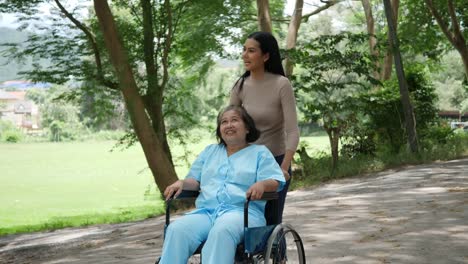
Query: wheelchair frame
{"type": "Point", "coordinates": [253, 249]}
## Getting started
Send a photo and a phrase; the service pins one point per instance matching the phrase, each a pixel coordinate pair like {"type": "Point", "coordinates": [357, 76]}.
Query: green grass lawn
{"type": "Point", "coordinates": [41, 181]}
{"type": "Point", "coordinates": [52, 185]}
{"type": "Point", "coordinates": [317, 143]}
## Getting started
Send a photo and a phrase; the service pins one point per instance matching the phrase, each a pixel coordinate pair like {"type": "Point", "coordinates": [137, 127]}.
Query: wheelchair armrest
{"type": "Point", "coordinates": [185, 194]}
{"type": "Point", "coordinates": [267, 196]}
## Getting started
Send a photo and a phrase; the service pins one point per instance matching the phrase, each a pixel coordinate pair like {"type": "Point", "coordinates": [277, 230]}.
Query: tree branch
{"type": "Point", "coordinates": [443, 26]}
{"type": "Point", "coordinates": [327, 5]}
{"type": "Point", "coordinates": [458, 36]}
{"type": "Point", "coordinates": [148, 44]}
{"type": "Point", "coordinates": [91, 39]}
{"type": "Point", "coordinates": [167, 43]}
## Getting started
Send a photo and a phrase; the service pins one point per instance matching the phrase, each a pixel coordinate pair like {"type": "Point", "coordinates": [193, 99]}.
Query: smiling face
{"type": "Point", "coordinates": [253, 57]}
{"type": "Point", "coordinates": [232, 128]}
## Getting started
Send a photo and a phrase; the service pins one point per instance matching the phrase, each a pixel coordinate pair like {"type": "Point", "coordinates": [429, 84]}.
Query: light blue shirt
{"type": "Point", "coordinates": [225, 180]}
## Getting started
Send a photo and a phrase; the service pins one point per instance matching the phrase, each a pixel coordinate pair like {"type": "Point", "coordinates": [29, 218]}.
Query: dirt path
{"type": "Point", "coordinates": [416, 215]}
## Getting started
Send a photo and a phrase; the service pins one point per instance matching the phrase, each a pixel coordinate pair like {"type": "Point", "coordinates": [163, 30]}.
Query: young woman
{"type": "Point", "coordinates": [267, 95]}
{"type": "Point", "coordinates": [226, 174]}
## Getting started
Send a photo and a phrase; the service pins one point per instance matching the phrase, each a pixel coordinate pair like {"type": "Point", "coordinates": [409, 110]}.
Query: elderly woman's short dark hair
{"type": "Point", "coordinates": [253, 134]}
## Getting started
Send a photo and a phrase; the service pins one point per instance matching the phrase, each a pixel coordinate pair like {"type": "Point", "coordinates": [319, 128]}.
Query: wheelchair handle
{"type": "Point", "coordinates": [183, 195]}
{"type": "Point", "coordinates": [266, 197]}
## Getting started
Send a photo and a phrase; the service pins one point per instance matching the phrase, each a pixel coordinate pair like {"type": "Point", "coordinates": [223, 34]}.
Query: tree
{"type": "Point", "coordinates": [410, 122]}
{"type": "Point", "coordinates": [335, 71]}
{"type": "Point", "coordinates": [158, 160]}
{"type": "Point", "coordinates": [147, 46]}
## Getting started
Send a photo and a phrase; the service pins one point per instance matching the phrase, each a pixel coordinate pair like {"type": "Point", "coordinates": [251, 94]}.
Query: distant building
{"type": "Point", "coordinates": [23, 85]}
{"type": "Point", "coordinates": [22, 113]}
{"type": "Point", "coordinates": [454, 116]}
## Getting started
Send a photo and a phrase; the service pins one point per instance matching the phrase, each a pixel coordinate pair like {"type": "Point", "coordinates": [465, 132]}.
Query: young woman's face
{"type": "Point", "coordinates": [253, 57]}
{"type": "Point", "coordinates": [232, 128]}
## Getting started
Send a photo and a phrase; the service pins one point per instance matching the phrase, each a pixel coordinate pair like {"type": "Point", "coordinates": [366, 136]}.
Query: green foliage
{"type": "Point", "coordinates": [60, 117]}
{"type": "Point", "coordinates": [99, 109]}
{"type": "Point", "coordinates": [419, 32]}
{"type": "Point", "coordinates": [358, 139]}
{"type": "Point", "coordinates": [334, 71]}
{"type": "Point", "coordinates": [437, 134]}
{"type": "Point", "coordinates": [12, 136]}
{"type": "Point", "coordinates": [385, 117]}
{"type": "Point", "coordinates": [384, 112]}
{"type": "Point", "coordinates": [448, 80]}
{"type": "Point", "coordinates": [9, 132]}
{"type": "Point", "coordinates": [73, 113]}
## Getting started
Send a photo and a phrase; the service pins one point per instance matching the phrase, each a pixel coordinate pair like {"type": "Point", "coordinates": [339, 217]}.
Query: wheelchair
{"type": "Point", "coordinates": [275, 243]}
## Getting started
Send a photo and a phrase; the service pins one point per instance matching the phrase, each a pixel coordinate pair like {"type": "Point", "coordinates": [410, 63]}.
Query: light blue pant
{"type": "Point", "coordinates": [222, 235]}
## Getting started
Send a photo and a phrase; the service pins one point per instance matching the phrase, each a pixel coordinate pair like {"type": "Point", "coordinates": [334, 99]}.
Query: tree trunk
{"type": "Point", "coordinates": [404, 93]}
{"type": "Point", "coordinates": [386, 71]}
{"type": "Point", "coordinates": [334, 138]}
{"type": "Point", "coordinates": [154, 99]}
{"type": "Point", "coordinates": [157, 159]}
{"type": "Point", "coordinates": [263, 15]}
{"type": "Point", "coordinates": [464, 56]}
{"type": "Point", "coordinates": [291, 38]}
{"type": "Point", "coordinates": [306, 162]}
{"type": "Point", "coordinates": [372, 39]}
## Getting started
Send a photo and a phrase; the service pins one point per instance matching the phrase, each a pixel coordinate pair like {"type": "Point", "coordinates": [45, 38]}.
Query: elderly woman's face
{"type": "Point", "coordinates": [232, 128]}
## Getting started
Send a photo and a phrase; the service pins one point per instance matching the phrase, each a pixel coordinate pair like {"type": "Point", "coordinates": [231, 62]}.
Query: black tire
{"type": "Point", "coordinates": [284, 246]}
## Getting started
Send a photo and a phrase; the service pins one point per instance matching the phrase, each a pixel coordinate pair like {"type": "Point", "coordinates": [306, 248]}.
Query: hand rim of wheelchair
{"type": "Point", "coordinates": [277, 235]}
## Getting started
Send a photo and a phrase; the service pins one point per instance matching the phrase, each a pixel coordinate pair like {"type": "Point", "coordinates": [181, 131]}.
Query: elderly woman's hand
{"type": "Point", "coordinates": [176, 188]}
{"type": "Point", "coordinates": [256, 191]}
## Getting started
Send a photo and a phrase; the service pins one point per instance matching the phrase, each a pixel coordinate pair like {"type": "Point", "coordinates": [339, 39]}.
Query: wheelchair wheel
{"type": "Point", "coordinates": [284, 246]}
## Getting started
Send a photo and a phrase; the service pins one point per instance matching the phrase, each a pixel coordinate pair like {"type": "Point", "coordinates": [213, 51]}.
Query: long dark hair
{"type": "Point", "coordinates": [253, 134]}
{"type": "Point", "coordinates": [268, 44]}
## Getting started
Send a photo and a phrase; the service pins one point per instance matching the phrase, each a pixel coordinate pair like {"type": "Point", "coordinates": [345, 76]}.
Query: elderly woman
{"type": "Point", "coordinates": [226, 174]}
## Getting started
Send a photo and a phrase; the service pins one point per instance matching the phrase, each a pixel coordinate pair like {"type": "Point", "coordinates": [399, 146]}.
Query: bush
{"type": "Point", "coordinates": [438, 134]}
{"type": "Point", "coordinates": [9, 133]}
{"type": "Point", "coordinates": [12, 136]}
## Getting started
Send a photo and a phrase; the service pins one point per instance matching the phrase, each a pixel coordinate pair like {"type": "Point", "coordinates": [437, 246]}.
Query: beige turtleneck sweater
{"type": "Point", "coordinates": [271, 104]}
